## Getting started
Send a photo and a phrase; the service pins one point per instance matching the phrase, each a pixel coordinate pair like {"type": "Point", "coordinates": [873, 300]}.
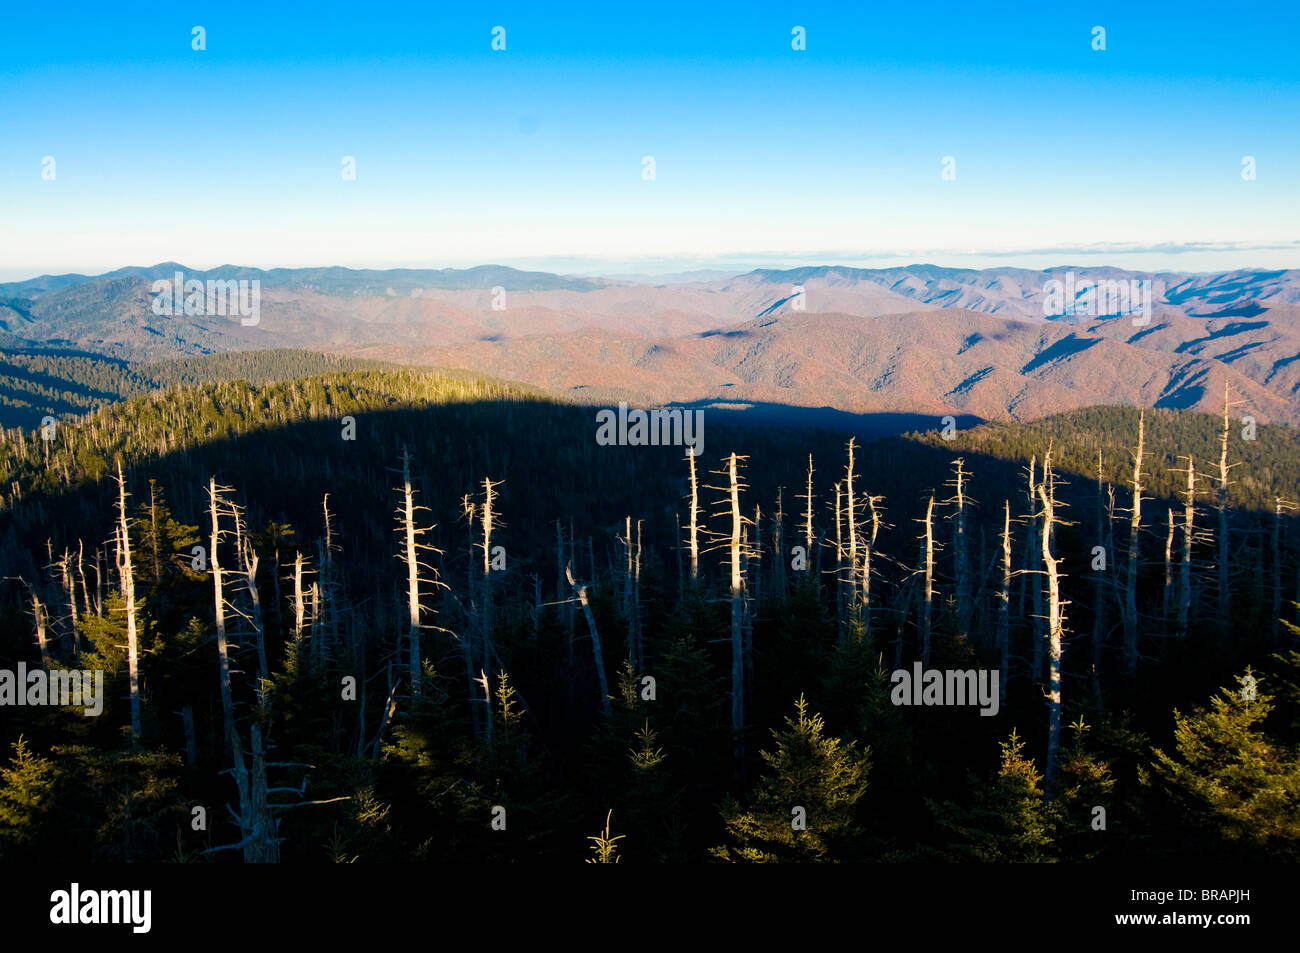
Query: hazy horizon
{"type": "Point", "coordinates": [1164, 261]}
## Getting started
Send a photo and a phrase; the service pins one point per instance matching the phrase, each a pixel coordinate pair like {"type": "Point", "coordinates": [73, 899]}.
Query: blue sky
{"type": "Point", "coordinates": [763, 155]}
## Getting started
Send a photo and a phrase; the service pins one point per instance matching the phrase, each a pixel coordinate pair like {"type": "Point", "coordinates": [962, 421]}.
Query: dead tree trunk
{"type": "Point", "coordinates": [1055, 626]}
{"type": "Point", "coordinates": [299, 610]}
{"type": "Point", "coordinates": [256, 822]}
{"type": "Point", "coordinates": [1169, 565]}
{"type": "Point", "coordinates": [778, 548]}
{"type": "Point", "coordinates": [470, 509]}
{"type": "Point", "coordinates": [868, 549]}
{"type": "Point", "coordinates": [677, 548]}
{"type": "Point", "coordinates": [85, 594]}
{"type": "Point", "coordinates": [1276, 615]}
{"type": "Point", "coordinates": [927, 596]}
{"type": "Point", "coordinates": [627, 590]}
{"type": "Point", "coordinates": [1134, 552]}
{"type": "Point", "coordinates": [560, 588]}
{"type": "Point", "coordinates": [839, 566]}
{"type": "Point", "coordinates": [636, 601]}
{"type": "Point", "coordinates": [1189, 516]}
{"type": "Point", "coordinates": [749, 552]}
{"type": "Point", "coordinates": [1004, 606]}
{"type": "Point", "coordinates": [412, 575]}
{"type": "Point", "coordinates": [81, 575]}
{"type": "Point", "coordinates": [249, 560]}
{"type": "Point", "coordinates": [40, 620]}
{"type": "Point", "coordinates": [808, 537]}
{"type": "Point", "coordinates": [850, 507]}
{"type": "Point", "coordinates": [599, 659]}
{"type": "Point", "coordinates": [69, 582]}
{"type": "Point", "coordinates": [1221, 505]}
{"type": "Point", "coordinates": [127, 575]}
{"type": "Point", "coordinates": [737, 616]}
{"type": "Point", "coordinates": [329, 598]}
{"type": "Point", "coordinates": [1033, 556]}
{"type": "Point", "coordinates": [99, 582]}
{"type": "Point", "coordinates": [487, 704]}
{"type": "Point", "coordinates": [694, 523]}
{"type": "Point", "coordinates": [1102, 577]}
{"type": "Point", "coordinates": [411, 551]}
{"type": "Point", "coordinates": [490, 522]}
{"type": "Point", "coordinates": [153, 532]}
{"type": "Point", "coordinates": [314, 619]}
{"type": "Point", "coordinates": [219, 606]}
{"type": "Point", "coordinates": [961, 566]}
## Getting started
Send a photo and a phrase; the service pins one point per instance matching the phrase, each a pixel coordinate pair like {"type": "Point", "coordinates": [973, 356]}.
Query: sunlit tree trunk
{"type": "Point", "coordinates": [487, 607]}
{"type": "Point", "coordinates": [868, 549]}
{"type": "Point", "coordinates": [412, 575]}
{"type": "Point", "coordinates": [850, 517]}
{"type": "Point", "coordinates": [1055, 625]}
{"type": "Point", "coordinates": [219, 608]}
{"type": "Point", "coordinates": [1033, 556]}
{"type": "Point", "coordinates": [127, 574]}
{"type": "Point", "coordinates": [40, 622]}
{"type": "Point", "coordinates": [809, 539]}
{"type": "Point", "coordinates": [960, 556]}
{"type": "Point", "coordinates": [85, 594]}
{"type": "Point", "coordinates": [737, 615]}
{"type": "Point", "coordinates": [299, 609]}
{"type": "Point", "coordinates": [694, 522]}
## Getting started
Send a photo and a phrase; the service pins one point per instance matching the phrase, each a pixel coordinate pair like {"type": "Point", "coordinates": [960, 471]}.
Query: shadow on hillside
{"type": "Point", "coordinates": [553, 472]}
{"type": "Point", "coordinates": [1228, 330]}
{"type": "Point", "coordinates": [1066, 347]}
{"type": "Point", "coordinates": [866, 426]}
{"type": "Point", "coordinates": [549, 457]}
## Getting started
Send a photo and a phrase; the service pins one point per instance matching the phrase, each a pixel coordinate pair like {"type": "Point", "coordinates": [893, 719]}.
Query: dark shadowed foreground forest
{"type": "Point", "coordinates": [376, 616]}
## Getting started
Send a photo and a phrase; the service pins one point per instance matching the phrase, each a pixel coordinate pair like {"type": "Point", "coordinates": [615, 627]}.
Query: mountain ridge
{"type": "Point", "coordinates": [856, 341]}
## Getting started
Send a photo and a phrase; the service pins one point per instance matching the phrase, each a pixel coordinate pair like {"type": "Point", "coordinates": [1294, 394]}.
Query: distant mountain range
{"type": "Point", "coordinates": [1006, 291]}
{"type": "Point", "coordinates": [920, 339]}
{"type": "Point", "coordinates": [325, 280]}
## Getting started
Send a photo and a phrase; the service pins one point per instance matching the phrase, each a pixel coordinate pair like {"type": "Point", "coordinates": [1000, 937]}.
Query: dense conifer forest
{"type": "Point", "coordinates": [348, 614]}
{"type": "Point", "coordinates": [36, 382]}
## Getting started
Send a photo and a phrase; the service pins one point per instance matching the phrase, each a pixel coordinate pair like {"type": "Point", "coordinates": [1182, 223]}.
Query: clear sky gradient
{"type": "Point", "coordinates": [763, 155]}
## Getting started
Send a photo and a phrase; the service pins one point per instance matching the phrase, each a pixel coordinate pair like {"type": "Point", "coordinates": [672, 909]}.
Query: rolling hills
{"type": "Point", "coordinates": [826, 341]}
{"type": "Point", "coordinates": [928, 362]}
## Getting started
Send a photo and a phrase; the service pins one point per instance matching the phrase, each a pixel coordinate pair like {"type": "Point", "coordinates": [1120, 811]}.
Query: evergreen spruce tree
{"type": "Point", "coordinates": [26, 798]}
{"type": "Point", "coordinates": [1086, 783]}
{"type": "Point", "coordinates": [1008, 819]}
{"type": "Point", "coordinates": [803, 806]}
{"type": "Point", "coordinates": [1233, 788]}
